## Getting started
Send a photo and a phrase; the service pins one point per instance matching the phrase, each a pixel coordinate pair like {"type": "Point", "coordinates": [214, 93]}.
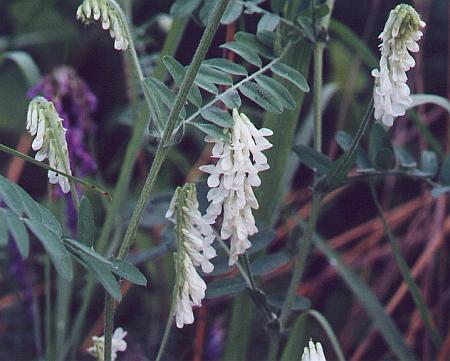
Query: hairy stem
{"type": "Point", "coordinates": [162, 149]}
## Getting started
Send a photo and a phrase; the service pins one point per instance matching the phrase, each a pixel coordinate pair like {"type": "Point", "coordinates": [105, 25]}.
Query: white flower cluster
{"type": "Point", "coordinates": [91, 10]}
{"type": "Point", "coordinates": [313, 352]}
{"type": "Point", "coordinates": [44, 122]}
{"type": "Point", "coordinates": [194, 239]}
{"type": "Point", "coordinates": [400, 34]}
{"type": "Point", "coordinates": [231, 180]}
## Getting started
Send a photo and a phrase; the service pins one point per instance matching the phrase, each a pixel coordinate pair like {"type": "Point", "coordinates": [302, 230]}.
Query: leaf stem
{"type": "Point", "coordinates": [162, 149]}
{"type": "Point", "coordinates": [168, 328]}
{"type": "Point", "coordinates": [319, 48]}
{"type": "Point", "coordinates": [407, 277]}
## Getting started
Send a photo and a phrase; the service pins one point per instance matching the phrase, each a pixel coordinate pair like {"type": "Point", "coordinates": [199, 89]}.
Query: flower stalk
{"type": "Point", "coordinates": [162, 149]}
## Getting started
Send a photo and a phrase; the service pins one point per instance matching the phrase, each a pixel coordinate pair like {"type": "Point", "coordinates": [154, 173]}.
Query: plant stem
{"type": "Point", "coordinates": [109, 320]}
{"type": "Point", "coordinates": [162, 150]}
{"type": "Point", "coordinates": [407, 277]}
{"type": "Point", "coordinates": [319, 48]}
{"type": "Point", "coordinates": [168, 328]}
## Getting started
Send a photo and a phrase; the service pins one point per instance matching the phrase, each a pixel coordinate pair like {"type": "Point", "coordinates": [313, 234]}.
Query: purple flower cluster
{"type": "Point", "coordinates": [75, 103]}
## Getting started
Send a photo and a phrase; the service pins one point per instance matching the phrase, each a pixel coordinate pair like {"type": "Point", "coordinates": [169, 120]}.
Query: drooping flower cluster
{"type": "Point", "coordinates": [118, 344]}
{"type": "Point", "coordinates": [44, 122]}
{"type": "Point", "coordinates": [313, 352]}
{"type": "Point", "coordinates": [231, 180]}
{"type": "Point", "coordinates": [401, 33]}
{"type": "Point", "coordinates": [108, 12]}
{"type": "Point", "coordinates": [194, 239]}
{"type": "Point", "coordinates": [75, 102]}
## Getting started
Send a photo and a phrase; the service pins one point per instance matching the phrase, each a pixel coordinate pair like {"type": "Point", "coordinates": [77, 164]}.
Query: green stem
{"type": "Point", "coordinates": [318, 79]}
{"type": "Point", "coordinates": [162, 149]}
{"type": "Point", "coordinates": [406, 273]}
{"type": "Point", "coordinates": [109, 325]}
{"type": "Point", "coordinates": [168, 328]}
{"type": "Point", "coordinates": [15, 153]}
{"type": "Point", "coordinates": [356, 140]}
{"type": "Point", "coordinates": [300, 260]}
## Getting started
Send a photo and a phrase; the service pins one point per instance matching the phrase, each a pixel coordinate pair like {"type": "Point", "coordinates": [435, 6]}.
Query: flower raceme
{"type": "Point", "coordinates": [232, 180]}
{"type": "Point", "coordinates": [118, 344]}
{"type": "Point", "coordinates": [313, 352]}
{"type": "Point", "coordinates": [108, 12]}
{"type": "Point", "coordinates": [401, 33]}
{"type": "Point", "coordinates": [194, 239]}
{"type": "Point", "coordinates": [44, 122]}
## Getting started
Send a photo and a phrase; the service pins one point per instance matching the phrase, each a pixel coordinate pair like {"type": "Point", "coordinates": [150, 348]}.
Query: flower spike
{"type": "Point", "coordinates": [44, 122]}
{"type": "Point", "coordinates": [194, 239]}
{"type": "Point", "coordinates": [400, 34]}
{"type": "Point", "coordinates": [232, 180]}
{"type": "Point", "coordinates": [110, 15]}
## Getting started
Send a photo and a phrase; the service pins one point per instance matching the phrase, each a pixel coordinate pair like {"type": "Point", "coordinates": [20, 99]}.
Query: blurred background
{"type": "Point", "coordinates": [77, 66]}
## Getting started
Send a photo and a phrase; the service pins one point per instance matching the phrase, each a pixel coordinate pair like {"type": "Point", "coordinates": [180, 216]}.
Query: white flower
{"type": "Point", "coordinates": [231, 181]}
{"type": "Point", "coordinates": [194, 239]}
{"type": "Point", "coordinates": [313, 353]}
{"type": "Point", "coordinates": [108, 12]}
{"type": "Point", "coordinates": [400, 34]}
{"type": "Point", "coordinates": [164, 22]}
{"type": "Point", "coordinates": [44, 122]}
{"type": "Point", "coordinates": [118, 344]}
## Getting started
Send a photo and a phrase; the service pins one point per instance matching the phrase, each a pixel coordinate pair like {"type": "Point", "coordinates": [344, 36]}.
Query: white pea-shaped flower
{"type": "Point", "coordinates": [194, 239]}
{"type": "Point", "coordinates": [108, 12]}
{"type": "Point", "coordinates": [44, 123]}
{"type": "Point", "coordinates": [232, 180]}
{"type": "Point", "coordinates": [118, 344]}
{"type": "Point", "coordinates": [400, 35]}
{"type": "Point", "coordinates": [313, 352]}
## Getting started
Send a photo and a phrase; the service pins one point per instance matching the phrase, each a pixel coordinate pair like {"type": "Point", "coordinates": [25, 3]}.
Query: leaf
{"type": "Point", "coordinates": [177, 71]}
{"type": "Point", "coordinates": [86, 227]}
{"type": "Point", "coordinates": [206, 84]}
{"type": "Point", "coordinates": [381, 151]}
{"type": "Point", "coordinates": [429, 162]}
{"type": "Point", "coordinates": [26, 64]}
{"type": "Point", "coordinates": [3, 228]}
{"type": "Point", "coordinates": [232, 13]}
{"type": "Point", "coordinates": [216, 76]}
{"type": "Point", "coordinates": [103, 274]}
{"type": "Point", "coordinates": [182, 8]}
{"type": "Point", "coordinates": [277, 90]}
{"type": "Point", "coordinates": [231, 99]}
{"type": "Point", "coordinates": [292, 75]}
{"type": "Point", "coordinates": [300, 303]}
{"type": "Point", "coordinates": [218, 116]}
{"type": "Point", "coordinates": [128, 271]}
{"type": "Point", "coordinates": [10, 196]}
{"type": "Point", "coordinates": [165, 94]}
{"type": "Point", "coordinates": [306, 25]}
{"type": "Point", "coordinates": [54, 247]}
{"type": "Point", "coordinates": [80, 249]}
{"type": "Point", "coordinates": [420, 99]}
{"type": "Point", "coordinates": [405, 159]}
{"type": "Point", "coordinates": [261, 97]}
{"type": "Point", "coordinates": [261, 240]}
{"type": "Point", "coordinates": [368, 300]}
{"type": "Point", "coordinates": [445, 172]}
{"type": "Point", "coordinates": [269, 263]}
{"type": "Point", "coordinates": [225, 287]}
{"type": "Point", "coordinates": [252, 42]}
{"type": "Point", "coordinates": [213, 131]}
{"type": "Point", "coordinates": [345, 140]}
{"type": "Point", "coordinates": [314, 160]}
{"type": "Point", "coordinates": [244, 52]}
{"type": "Point", "coordinates": [340, 169]}
{"type": "Point", "coordinates": [49, 220]}
{"type": "Point", "coordinates": [268, 22]}
{"type": "Point", "coordinates": [226, 65]}
{"type": "Point", "coordinates": [18, 232]}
